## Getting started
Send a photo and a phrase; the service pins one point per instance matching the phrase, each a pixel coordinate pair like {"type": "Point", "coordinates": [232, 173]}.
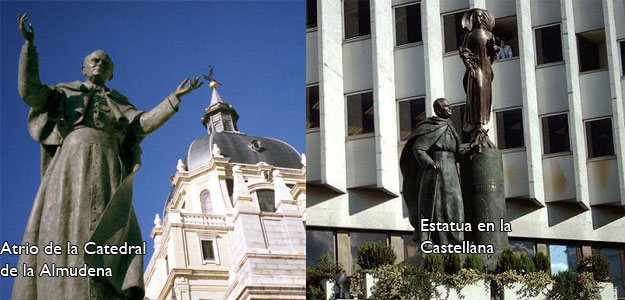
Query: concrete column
{"type": "Point", "coordinates": [477, 4]}
{"type": "Point", "coordinates": [531, 122]}
{"type": "Point", "coordinates": [384, 106]}
{"type": "Point", "coordinates": [618, 125]}
{"type": "Point", "coordinates": [344, 251]}
{"type": "Point", "coordinates": [576, 121]}
{"type": "Point", "coordinates": [332, 101]}
{"type": "Point", "coordinates": [397, 243]}
{"type": "Point", "coordinates": [542, 248]}
{"type": "Point", "coordinates": [586, 251]}
{"type": "Point", "coordinates": [432, 53]}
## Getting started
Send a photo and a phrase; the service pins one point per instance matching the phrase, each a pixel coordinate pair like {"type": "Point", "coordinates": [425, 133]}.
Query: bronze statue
{"type": "Point", "coordinates": [431, 186]}
{"type": "Point", "coordinates": [90, 138]}
{"type": "Point", "coordinates": [478, 51]}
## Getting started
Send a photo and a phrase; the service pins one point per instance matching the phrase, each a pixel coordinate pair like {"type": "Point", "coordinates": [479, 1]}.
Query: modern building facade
{"type": "Point", "coordinates": [232, 226]}
{"type": "Point", "coordinates": [373, 70]}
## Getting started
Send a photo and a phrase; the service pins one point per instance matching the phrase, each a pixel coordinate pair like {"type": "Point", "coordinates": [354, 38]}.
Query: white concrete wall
{"type": "Point", "coordinates": [551, 89]}
{"type": "Point", "coordinates": [515, 173]}
{"type": "Point", "coordinates": [361, 162]}
{"type": "Point", "coordinates": [453, 69]}
{"type": "Point", "coordinates": [559, 179]}
{"type": "Point", "coordinates": [588, 15]}
{"type": "Point", "coordinates": [409, 72]}
{"type": "Point", "coordinates": [501, 8]}
{"type": "Point", "coordinates": [595, 94]}
{"type": "Point", "coordinates": [603, 182]}
{"type": "Point", "coordinates": [507, 84]}
{"type": "Point", "coordinates": [313, 171]}
{"type": "Point", "coordinates": [545, 12]}
{"type": "Point", "coordinates": [357, 74]}
{"type": "Point", "coordinates": [312, 58]}
{"type": "Point", "coordinates": [453, 5]}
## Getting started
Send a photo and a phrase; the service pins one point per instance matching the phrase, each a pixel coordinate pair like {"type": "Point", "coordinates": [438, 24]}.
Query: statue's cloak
{"type": "Point", "coordinates": [73, 175]}
{"type": "Point", "coordinates": [427, 193]}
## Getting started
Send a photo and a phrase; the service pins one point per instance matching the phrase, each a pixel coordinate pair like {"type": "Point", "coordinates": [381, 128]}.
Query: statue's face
{"type": "Point", "coordinates": [98, 67]}
{"type": "Point", "coordinates": [479, 19]}
{"type": "Point", "coordinates": [443, 109]}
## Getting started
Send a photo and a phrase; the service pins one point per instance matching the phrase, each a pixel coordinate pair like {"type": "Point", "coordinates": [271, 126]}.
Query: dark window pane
{"type": "Point", "coordinates": [615, 259]}
{"type": "Point", "coordinates": [457, 118]}
{"type": "Point", "coordinates": [356, 239]}
{"type": "Point", "coordinates": [411, 112]}
{"type": "Point", "coordinates": [548, 45]}
{"type": "Point", "coordinates": [408, 24]}
{"type": "Point", "coordinates": [556, 134]}
{"type": "Point", "coordinates": [411, 248]}
{"type": "Point", "coordinates": [207, 250]}
{"type": "Point", "coordinates": [356, 18]}
{"type": "Point", "coordinates": [318, 242]}
{"type": "Point", "coordinates": [510, 129]}
{"type": "Point", "coordinates": [453, 31]}
{"type": "Point", "coordinates": [506, 30]}
{"type": "Point", "coordinates": [266, 200]}
{"type": "Point", "coordinates": [312, 107]}
{"type": "Point", "coordinates": [205, 199]}
{"type": "Point", "coordinates": [311, 14]}
{"type": "Point", "coordinates": [599, 138]}
{"type": "Point", "coordinates": [592, 50]}
{"type": "Point", "coordinates": [623, 57]}
{"type": "Point", "coordinates": [360, 114]}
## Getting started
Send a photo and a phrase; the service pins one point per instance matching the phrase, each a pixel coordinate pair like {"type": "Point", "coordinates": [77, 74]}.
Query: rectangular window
{"type": "Point", "coordinates": [360, 114]}
{"type": "Point", "coordinates": [311, 14]}
{"type": "Point", "coordinates": [548, 44]}
{"type": "Point", "coordinates": [522, 247]}
{"type": "Point", "coordinates": [266, 200]}
{"type": "Point", "coordinates": [616, 271]}
{"type": "Point", "coordinates": [510, 129]}
{"type": "Point", "coordinates": [318, 242]}
{"type": "Point", "coordinates": [507, 34]}
{"type": "Point", "coordinates": [408, 24]}
{"type": "Point", "coordinates": [457, 118]}
{"type": "Point", "coordinates": [599, 138]}
{"type": "Point", "coordinates": [556, 134]}
{"type": "Point", "coordinates": [563, 258]}
{"type": "Point", "coordinates": [411, 248]}
{"type": "Point", "coordinates": [622, 57]}
{"type": "Point", "coordinates": [411, 112]}
{"type": "Point", "coordinates": [312, 107]}
{"type": "Point", "coordinates": [356, 18]}
{"type": "Point", "coordinates": [208, 253]}
{"type": "Point", "coordinates": [454, 32]}
{"type": "Point", "coordinates": [592, 50]}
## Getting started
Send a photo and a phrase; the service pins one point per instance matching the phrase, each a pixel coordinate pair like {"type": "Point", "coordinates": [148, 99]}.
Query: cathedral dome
{"type": "Point", "coordinates": [244, 149]}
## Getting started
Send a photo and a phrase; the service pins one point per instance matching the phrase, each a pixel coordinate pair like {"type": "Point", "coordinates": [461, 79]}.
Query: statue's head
{"type": "Point", "coordinates": [478, 18]}
{"type": "Point", "coordinates": [98, 67]}
{"type": "Point", "coordinates": [442, 108]}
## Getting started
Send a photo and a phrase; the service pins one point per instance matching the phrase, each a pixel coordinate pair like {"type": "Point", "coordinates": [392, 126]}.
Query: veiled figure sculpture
{"type": "Point", "coordinates": [90, 138]}
{"type": "Point", "coordinates": [479, 49]}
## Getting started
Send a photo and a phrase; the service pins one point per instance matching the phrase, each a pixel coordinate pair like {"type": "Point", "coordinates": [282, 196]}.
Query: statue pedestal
{"type": "Point", "coordinates": [481, 177]}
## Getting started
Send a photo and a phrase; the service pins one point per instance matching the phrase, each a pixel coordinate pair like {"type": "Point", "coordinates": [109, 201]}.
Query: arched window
{"type": "Point", "coordinates": [205, 199]}
{"type": "Point", "coordinates": [266, 200]}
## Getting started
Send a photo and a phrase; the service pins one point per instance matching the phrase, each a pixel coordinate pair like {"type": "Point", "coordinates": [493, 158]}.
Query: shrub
{"type": "Point", "coordinates": [373, 255]}
{"type": "Point", "coordinates": [506, 261]}
{"type": "Point", "coordinates": [542, 263]}
{"type": "Point", "coordinates": [434, 263]}
{"type": "Point", "coordinates": [326, 268]}
{"type": "Point", "coordinates": [569, 285]}
{"type": "Point", "coordinates": [473, 262]}
{"type": "Point", "coordinates": [453, 263]}
{"type": "Point", "coordinates": [597, 265]}
{"type": "Point", "coordinates": [525, 265]}
{"type": "Point", "coordinates": [402, 282]}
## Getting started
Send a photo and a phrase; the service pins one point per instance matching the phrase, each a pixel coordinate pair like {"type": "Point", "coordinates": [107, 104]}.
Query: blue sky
{"type": "Point", "coordinates": [257, 48]}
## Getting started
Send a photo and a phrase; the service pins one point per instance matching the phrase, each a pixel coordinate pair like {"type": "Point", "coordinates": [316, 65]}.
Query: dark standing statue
{"type": "Point", "coordinates": [431, 186]}
{"type": "Point", "coordinates": [478, 51]}
{"type": "Point", "coordinates": [90, 139]}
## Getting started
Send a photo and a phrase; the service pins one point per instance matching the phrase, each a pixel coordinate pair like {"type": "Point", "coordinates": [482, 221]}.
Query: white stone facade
{"type": "Point", "coordinates": [568, 198]}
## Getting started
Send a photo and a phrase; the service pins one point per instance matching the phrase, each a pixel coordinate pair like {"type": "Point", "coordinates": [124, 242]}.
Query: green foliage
{"type": "Point", "coordinates": [373, 255]}
{"type": "Point", "coordinates": [402, 282]}
{"type": "Point", "coordinates": [597, 265]}
{"type": "Point", "coordinates": [434, 263]}
{"type": "Point", "coordinates": [453, 263]}
{"type": "Point", "coordinates": [326, 268]}
{"type": "Point", "coordinates": [525, 265]}
{"type": "Point", "coordinates": [542, 263]}
{"type": "Point", "coordinates": [506, 261]}
{"type": "Point", "coordinates": [570, 285]}
{"type": "Point", "coordinates": [473, 262]}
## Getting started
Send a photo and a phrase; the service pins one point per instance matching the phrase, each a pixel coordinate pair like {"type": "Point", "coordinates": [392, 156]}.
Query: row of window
{"type": "Point", "coordinates": [266, 201]}
{"type": "Point", "coordinates": [562, 257]}
{"type": "Point", "coordinates": [509, 123]}
{"type": "Point", "coordinates": [591, 45]}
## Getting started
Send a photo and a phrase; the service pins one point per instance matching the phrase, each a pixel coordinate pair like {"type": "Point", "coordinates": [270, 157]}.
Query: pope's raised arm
{"type": "Point", "coordinates": [28, 84]}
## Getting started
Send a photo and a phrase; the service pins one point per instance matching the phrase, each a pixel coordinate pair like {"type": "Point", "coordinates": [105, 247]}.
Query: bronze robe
{"type": "Point", "coordinates": [90, 151]}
